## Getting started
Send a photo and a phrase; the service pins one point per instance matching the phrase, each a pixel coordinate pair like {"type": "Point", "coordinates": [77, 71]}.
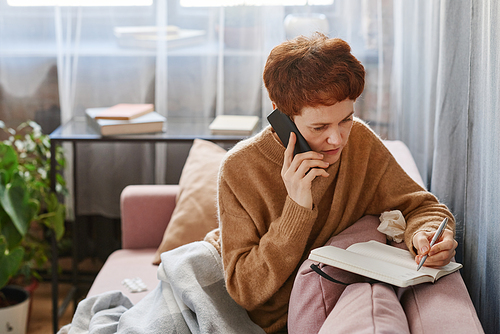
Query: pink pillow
{"type": "Point", "coordinates": [195, 213]}
{"type": "Point", "coordinates": [367, 308]}
{"type": "Point", "coordinates": [314, 297]}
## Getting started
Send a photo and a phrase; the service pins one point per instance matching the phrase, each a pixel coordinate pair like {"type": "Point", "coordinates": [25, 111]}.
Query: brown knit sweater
{"type": "Point", "coordinates": [265, 235]}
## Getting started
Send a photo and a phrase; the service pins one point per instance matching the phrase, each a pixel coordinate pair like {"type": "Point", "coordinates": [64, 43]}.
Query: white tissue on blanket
{"type": "Point", "coordinates": [393, 225]}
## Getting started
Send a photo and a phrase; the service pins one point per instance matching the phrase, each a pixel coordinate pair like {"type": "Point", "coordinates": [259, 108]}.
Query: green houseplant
{"type": "Point", "coordinates": [28, 208]}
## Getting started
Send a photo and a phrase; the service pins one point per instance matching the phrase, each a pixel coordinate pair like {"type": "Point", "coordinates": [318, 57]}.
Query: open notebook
{"type": "Point", "coordinates": [381, 262]}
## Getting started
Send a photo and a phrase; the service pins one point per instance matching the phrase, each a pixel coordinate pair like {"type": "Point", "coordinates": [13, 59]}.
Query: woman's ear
{"type": "Point", "coordinates": [274, 105]}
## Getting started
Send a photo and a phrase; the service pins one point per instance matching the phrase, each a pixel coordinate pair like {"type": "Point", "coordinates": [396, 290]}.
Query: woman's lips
{"type": "Point", "coordinates": [332, 152]}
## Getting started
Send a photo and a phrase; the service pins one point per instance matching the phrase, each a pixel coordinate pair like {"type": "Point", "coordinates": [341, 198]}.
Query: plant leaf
{"type": "Point", "coordinates": [8, 230]}
{"type": "Point", "coordinates": [8, 161]}
{"type": "Point", "coordinates": [15, 200]}
{"type": "Point", "coordinates": [9, 262]}
{"type": "Point", "coordinates": [56, 221]}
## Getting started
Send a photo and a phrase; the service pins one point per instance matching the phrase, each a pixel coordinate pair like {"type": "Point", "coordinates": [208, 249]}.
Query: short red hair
{"type": "Point", "coordinates": [311, 71]}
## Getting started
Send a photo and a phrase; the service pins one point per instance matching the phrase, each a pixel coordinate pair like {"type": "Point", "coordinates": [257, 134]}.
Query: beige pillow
{"type": "Point", "coordinates": [195, 213]}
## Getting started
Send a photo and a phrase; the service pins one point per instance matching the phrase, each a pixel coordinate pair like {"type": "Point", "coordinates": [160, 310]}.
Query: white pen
{"type": "Point", "coordinates": [438, 234]}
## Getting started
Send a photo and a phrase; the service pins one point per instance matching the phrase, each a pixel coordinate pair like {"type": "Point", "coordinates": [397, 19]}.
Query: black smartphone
{"type": "Point", "coordinates": [283, 125]}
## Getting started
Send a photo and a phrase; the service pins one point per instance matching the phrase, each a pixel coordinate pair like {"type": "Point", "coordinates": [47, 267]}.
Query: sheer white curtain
{"type": "Point", "coordinates": [482, 197]}
{"type": "Point", "coordinates": [446, 91]}
{"type": "Point", "coordinates": [77, 54]}
{"type": "Point", "coordinates": [93, 71]}
{"type": "Point", "coordinates": [28, 72]}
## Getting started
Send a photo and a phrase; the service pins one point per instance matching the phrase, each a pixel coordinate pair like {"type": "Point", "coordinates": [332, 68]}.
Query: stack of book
{"type": "Point", "coordinates": [126, 118]}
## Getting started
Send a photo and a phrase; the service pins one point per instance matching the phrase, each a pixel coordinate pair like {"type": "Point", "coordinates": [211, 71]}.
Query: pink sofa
{"type": "Point", "coordinates": [145, 213]}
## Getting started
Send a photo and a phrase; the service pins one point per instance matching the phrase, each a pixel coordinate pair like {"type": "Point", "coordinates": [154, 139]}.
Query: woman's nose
{"type": "Point", "coordinates": [334, 137]}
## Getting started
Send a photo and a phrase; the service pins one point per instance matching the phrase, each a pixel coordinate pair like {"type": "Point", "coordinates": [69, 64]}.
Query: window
{"type": "Point", "coordinates": [31, 3]}
{"type": "Point", "coordinates": [217, 3]}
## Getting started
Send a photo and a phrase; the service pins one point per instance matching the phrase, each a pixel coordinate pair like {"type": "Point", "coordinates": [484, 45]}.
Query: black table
{"type": "Point", "coordinates": [78, 130]}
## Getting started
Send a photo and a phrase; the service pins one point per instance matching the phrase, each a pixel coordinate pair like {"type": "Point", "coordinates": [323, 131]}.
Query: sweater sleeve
{"type": "Point", "coordinates": [260, 249]}
{"type": "Point", "coordinates": [396, 190]}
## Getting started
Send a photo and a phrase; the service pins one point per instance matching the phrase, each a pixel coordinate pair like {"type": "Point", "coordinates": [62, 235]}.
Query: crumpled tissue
{"type": "Point", "coordinates": [393, 225]}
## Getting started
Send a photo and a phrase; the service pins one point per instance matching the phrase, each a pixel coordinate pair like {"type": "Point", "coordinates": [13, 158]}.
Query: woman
{"type": "Point", "coordinates": [275, 207]}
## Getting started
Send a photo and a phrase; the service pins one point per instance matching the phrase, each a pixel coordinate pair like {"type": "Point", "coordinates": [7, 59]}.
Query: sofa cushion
{"type": "Point", "coordinates": [195, 213]}
{"type": "Point", "coordinates": [122, 264]}
{"type": "Point", "coordinates": [366, 308]}
{"type": "Point", "coordinates": [313, 297]}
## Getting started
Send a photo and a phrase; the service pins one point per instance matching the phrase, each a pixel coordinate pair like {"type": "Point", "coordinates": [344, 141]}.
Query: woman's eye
{"type": "Point", "coordinates": [319, 128]}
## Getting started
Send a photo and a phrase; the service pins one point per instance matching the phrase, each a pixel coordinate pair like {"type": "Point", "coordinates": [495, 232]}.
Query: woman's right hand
{"type": "Point", "coordinates": [299, 171]}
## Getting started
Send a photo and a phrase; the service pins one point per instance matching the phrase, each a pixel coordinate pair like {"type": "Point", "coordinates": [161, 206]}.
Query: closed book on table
{"type": "Point", "coordinates": [234, 125]}
{"type": "Point", "coordinates": [125, 111]}
{"type": "Point", "coordinates": [148, 123]}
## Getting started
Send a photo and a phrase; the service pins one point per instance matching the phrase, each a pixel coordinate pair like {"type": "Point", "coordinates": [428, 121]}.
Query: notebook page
{"type": "Point", "coordinates": [391, 254]}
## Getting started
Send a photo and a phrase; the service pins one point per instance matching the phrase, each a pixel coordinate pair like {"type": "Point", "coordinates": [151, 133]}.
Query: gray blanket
{"type": "Point", "coordinates": [190, 298]}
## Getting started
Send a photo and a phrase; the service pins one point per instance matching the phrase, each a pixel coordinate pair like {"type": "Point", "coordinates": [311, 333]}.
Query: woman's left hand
{"type": "Point", "coordinates": [441, 252]}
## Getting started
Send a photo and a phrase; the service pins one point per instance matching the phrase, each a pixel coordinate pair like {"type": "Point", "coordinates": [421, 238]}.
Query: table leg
{"type": "Point", "coordinates": [55, 283]}
{"type": "Point", "coordinates": [75, 237]}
